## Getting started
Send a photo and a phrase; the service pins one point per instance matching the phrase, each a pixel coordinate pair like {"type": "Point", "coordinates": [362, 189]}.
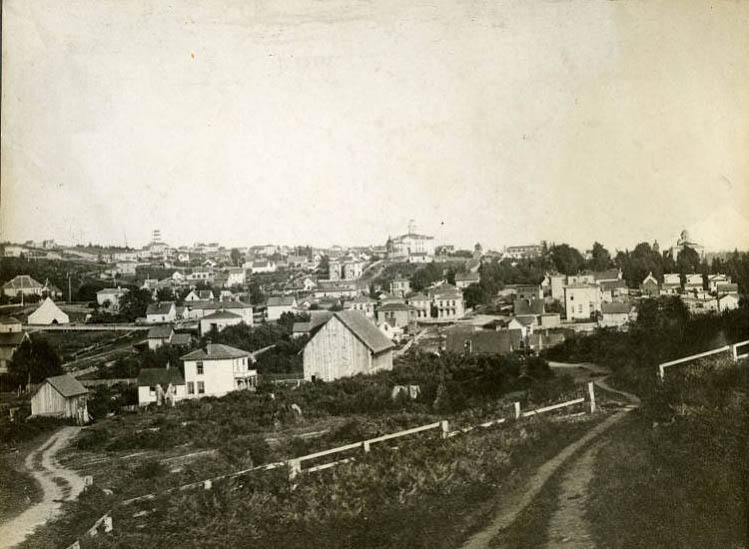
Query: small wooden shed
{"type": "Point", "coordinates": [61, 396]}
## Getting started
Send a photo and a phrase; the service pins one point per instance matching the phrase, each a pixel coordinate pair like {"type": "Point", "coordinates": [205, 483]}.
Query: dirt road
{"type": "Point", "coordinates": [59, 484]}
{"type": "Point", "coordinates": [567, 526]}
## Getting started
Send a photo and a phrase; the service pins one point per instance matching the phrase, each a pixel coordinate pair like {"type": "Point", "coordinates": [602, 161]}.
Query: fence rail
{"type": "Point", "coordinates": [733, 349]}
{"type": "Point", "coordinates": [294, 465]}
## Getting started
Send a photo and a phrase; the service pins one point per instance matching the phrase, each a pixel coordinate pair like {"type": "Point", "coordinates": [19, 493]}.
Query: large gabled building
{"type": "Point", "coordinates": [346, 345]}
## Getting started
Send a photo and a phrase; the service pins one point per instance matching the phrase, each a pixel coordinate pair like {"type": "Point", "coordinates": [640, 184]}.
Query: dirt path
{"type": "Point", "coordinates": [58, 484]}
{"type": "Point", "coordinates": [568, 526]}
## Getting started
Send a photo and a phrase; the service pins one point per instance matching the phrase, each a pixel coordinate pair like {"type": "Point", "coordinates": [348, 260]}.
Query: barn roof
{"type": "Point", "coordinates": [66, 385]}
{"type": "Point", "coordinates": [365, 331]}
{"type": "Point", "coordinates": [160, 332]}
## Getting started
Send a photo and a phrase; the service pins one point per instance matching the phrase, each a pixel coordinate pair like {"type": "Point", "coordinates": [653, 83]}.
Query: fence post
{"type": "Point", "coordinates": [591, 397]}
{"type": "Point", "coordinates": [295, 468]}
{"type": "Point", "coordinates": [444, 429]}
{"type": "Point", "coordinates": [516, 409]}
{"type": "Point", "coordinates": [735, 352]}
{"type": "Point", "coordinates": [661, 372]}
{"type": "Point", "coordinates": [108, 525]}
{"type": "Point", "coordinates": [207, 485]}
{"type": "Point", "coordinates": [365, 445]}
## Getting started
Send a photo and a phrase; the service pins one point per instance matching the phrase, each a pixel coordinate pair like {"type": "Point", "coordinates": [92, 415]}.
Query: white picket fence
{"type": "Point", "coordinates": [733, 349]}
{"type": "Point", "coordinates": [295, 466]}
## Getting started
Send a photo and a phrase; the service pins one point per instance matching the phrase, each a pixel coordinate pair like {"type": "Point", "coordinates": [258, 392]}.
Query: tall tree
{"type": "Point", "coordinates": [566, 259]}
{"type": "Point", "coordinates": [688, 261]}
{"type": "Point", "coordinates": [600, 259]}
{"type": "Point", "coordinates": [236, 256]}
{"type": "Point", "coordinates": [34, 361]}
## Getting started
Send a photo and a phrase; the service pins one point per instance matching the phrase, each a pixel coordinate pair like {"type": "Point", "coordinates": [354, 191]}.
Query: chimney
{"type": "Point", "coordinates": [208, 346]}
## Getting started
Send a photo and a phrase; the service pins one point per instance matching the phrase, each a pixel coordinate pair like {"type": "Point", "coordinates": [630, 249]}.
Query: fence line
{"type": "Point", "coordinates": [733, 349]}
{"type": "Point", "coordinates": [294, 465]}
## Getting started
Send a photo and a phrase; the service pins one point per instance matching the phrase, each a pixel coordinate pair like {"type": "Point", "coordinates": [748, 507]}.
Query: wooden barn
{"type": "Point", "coordinates": [61, 396]}
{"type": "Point", "coordinates": [348, 344]}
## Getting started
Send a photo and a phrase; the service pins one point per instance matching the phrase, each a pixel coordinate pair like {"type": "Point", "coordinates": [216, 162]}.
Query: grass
{"type": "Point", "coordinates": [18, 489]}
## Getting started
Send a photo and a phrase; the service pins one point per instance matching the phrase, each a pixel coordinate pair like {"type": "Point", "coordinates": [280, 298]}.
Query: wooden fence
{"type": "Point", "coordinates": [733, 349]}
{"type": "Point", "coordinates": [295, 466]}
{"type": "Point", "coordinates": [108, 382]}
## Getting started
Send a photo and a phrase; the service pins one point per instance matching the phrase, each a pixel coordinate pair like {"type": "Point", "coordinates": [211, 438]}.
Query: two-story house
{"type": "Point", "coordinates": [217, 370]}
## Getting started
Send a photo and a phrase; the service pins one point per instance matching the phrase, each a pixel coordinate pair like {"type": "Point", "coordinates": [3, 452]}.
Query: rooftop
{"type": "Point", "coordinates": [148, 377]}
{"type": "Point", "coordinates": [365, 331]}
{"type": "Point", "coordinates": [215, 351]}
{"type": "Point", "coordinates": [67, 385]}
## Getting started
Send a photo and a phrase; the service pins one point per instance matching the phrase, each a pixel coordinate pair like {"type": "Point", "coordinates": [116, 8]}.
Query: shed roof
{"type": "Point", "coordinates": [66, 385]}
{"type": "Point", "coordinates": [160, 332]}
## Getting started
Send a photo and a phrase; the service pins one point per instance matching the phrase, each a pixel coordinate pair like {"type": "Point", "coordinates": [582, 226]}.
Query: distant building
{"type": "Point", "coordinates": [218, 321]}
{"type": "Point", "coordinates": [649, 286]}
{"type": "Point", "coordinates": [582, 301]}
{"type": "Point", "coordinates": [525, 251]}
{"type": "Point", "coordinates": [400, 287]}
{"type": "Point", "coordinates": [363, 304]}
{"type": "Point", "coordinates": [217, 370]}
{"type": "Point", "coordinates": [236, 277]}
{"type": "Point", "coordinates": [11, 337]}
{"type": "Point", "coordinates": [398, 315]}
{"type": "Point", "coordinates": [110, 297]}
{"type": "Point", "coordinates": [422, 305]}
{"type": "Point", "coordinates": [158, 336]}
{"type": "Point", "coordinates": [685, 241]}
{"type": "Point", "coordinates": [346, 345]}
{"type": "Point", "coordinates": [48, 313]}
{"type": "Point", "coordinates": [61, 396]}
{"type": "Point", "coordinates": [22, 285]}
{"type": "Point", "coordinates": [671, 284]}
{"type": "Point", "coordinates": [411, 247]}
{"type": "Point", "coordinates": [614, 314]}
{"type": "Point", "coordinates": [164, 311]}
{"type": "Point", "coordinates": [728, 302]}
{"type": "Point", "coordinates": [278, 305]}
{"type": "Point", "coordinates": [463, 280]}
{"type": "Point", "coordinates": [447, 302]}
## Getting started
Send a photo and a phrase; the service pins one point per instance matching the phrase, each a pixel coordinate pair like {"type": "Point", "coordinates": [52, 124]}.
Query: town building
{"type": "Point", "coordinates": [11, 337]}
{"type": "Point", "coordinates": [422, 306]}
{"type": "Point", "coordinates": [614, 315]}
{"type": "Point", "coordinates": [728, 302]}
{"type": "Point", "coordinates": [109, 298]}
{"type": "Point", "coordinates": [400, 287]}
{"type": "Point", "coordinates": [582, 301]}
{"type": "Point", "coordinates": [236, 277]}
{"type": "Point", "coordinates": [649, 287]}
{"type": "Point", "coordinates": [61, 396]}
{"type": "Point", "coordinates": [217, 370]}
{"type": "Point", "coordinates": [410, 247]}
{"type": "Point", "coordinates": [219, 320]}
{"type": "Point", "coordinates": [671, 284]}
{"type": "Point", "coordinates": [363, 304]}
{"type": "Point", "coordinates": [346, 345]}
{"type": "Point", "coordinates": [527, 251]}
{"type": "Point", "coordinates": [278, 305]}
{"type": "Point", "coordinates": [48, 313]}
{"type": "Point", "coordinates": [22, 285]}
{"type": "Point", "coordinates": [164, 311]}
{"type": "Point", "coordinates": [447, 302]}
{"type": "Point", "coordinates": [463, 280]}
{"type": "Point", "coordinates": [399, 315]}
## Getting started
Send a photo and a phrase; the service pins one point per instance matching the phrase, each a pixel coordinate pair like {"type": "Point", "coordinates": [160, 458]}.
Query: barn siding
{"type": "Point", "coordinates": [47, 402]}
{"type": "Point", "coordinates": [336, 352]}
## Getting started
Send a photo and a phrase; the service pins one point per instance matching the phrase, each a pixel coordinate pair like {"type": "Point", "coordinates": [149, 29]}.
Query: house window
{"type": "Point", "coordinates": [201, 388]}
{"type": "Point", "coordinates": [190, 388]}
{"type": "Point", "coordinates": [199, 366]}
{"type": "Point", "coordinates": [152, 390]}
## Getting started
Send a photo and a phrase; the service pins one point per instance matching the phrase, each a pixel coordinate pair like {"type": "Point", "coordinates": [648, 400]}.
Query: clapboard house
{"type": "Point", "coordinates": [61, 396]}
{"type": "Point", "coordinates": [346, 345]}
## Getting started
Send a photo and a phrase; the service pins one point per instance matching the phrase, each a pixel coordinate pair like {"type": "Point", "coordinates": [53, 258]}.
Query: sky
{"type": "Point", "coordinates": [331, 122]}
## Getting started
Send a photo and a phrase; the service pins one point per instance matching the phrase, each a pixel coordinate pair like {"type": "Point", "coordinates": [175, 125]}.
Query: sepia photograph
{"type": "Point", "coordinates": [341, 274]}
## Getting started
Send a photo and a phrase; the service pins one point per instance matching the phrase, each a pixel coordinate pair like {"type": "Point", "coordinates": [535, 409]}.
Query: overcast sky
{"type": "Point", "coordinates": [329, 122]}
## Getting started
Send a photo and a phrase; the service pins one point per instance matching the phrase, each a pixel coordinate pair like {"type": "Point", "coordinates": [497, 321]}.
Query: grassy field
{"type": "Point", "coordinates": [18, 489]}
{"type": "Point", "coordinates": [676, 474]}
{"type": "Point", "coordinates": [428, 493]}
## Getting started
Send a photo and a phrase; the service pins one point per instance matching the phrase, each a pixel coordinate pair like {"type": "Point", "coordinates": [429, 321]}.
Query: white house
{"type": "Point", "coordinates": [218, 320]}
{"type": "Point", "coordinates": [363, 304]}
{"type": "Point", "coordinates": [110, 297]}
{"type": "Point", "coordinates": [160, 386]}
{"type": "Point", "coordinates": [582, 301]}
{"type": "Point", "coordinates": [127, 267]}
{"type": "Point", "coordinates": [728, 302]}
{"type": "Point", "coordinates": [159, 336]}
{"type": "Point", "coordinates": [236, 277]}
{"type": "Point", "coordinates": [164, 311]}
{"type": "Point", "coordinates": [277, 305]}
{"type": "Point", "coordinates": [218, 369]}
{"type": "Point", "coordinates": [463, 280]}
{"type": "Point", "coordinates": [264, 266]}
{"type": "Point", "coordinates": [48, 313]}
{"type": "Point", "coordinates": [614, 315]}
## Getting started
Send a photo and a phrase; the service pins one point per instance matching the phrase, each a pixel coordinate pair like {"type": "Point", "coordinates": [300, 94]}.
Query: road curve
{"type": "Point", "coordinates": [59, 484]}
{"type": "Point", "coordinates": [569, 517]}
